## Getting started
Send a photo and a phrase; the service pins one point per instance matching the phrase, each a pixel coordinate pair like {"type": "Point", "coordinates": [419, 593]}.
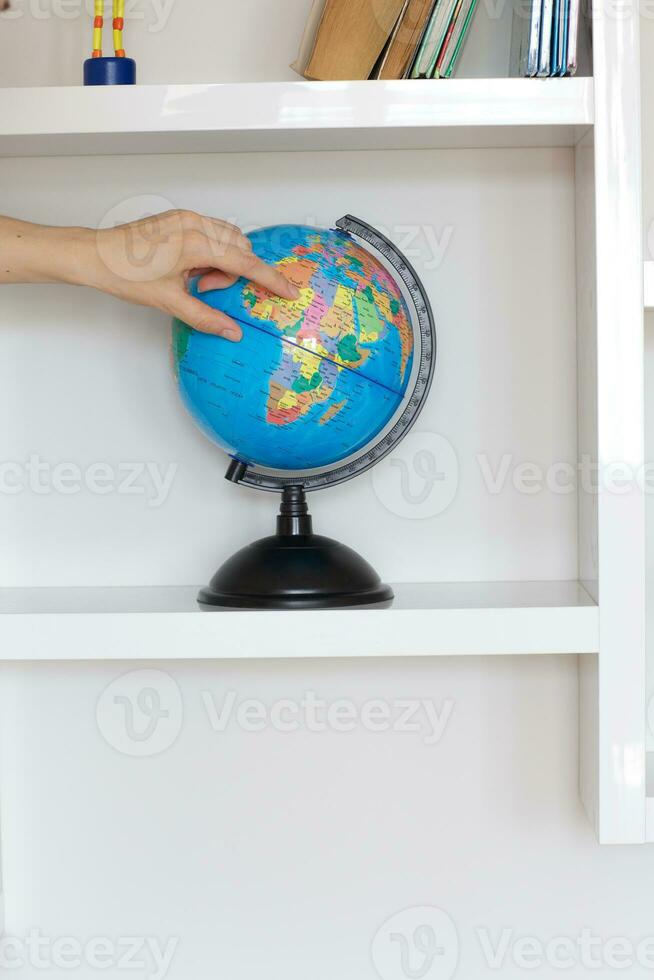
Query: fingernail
{"type": "Point", "coordinates": [233, 335]}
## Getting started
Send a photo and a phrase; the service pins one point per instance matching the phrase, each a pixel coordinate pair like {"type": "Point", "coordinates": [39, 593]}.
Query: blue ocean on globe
{"type": "Point", "coordinates": [313, 380]}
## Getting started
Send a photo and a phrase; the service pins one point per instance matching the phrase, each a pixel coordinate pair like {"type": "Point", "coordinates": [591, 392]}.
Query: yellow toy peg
{"type": "Point", "coordinates": [117, 70]}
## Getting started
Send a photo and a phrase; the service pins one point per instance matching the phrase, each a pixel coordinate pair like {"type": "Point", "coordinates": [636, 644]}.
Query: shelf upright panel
{"type": "Point", "coordinates": [586, 273]}
{"type": "Point", "coordinates": [612, 521]}
{"type": "Point", "coordinates": [649, 287]}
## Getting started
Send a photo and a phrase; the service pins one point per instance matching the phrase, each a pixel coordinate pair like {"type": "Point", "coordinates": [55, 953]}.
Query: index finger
{"type": "Point", "coordinates": [250, 266]}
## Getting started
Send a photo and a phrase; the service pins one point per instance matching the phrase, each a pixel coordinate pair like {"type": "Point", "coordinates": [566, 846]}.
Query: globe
{"type": "Point", "coordinates": [318, 390]}
{"type": "Point", "coordinates": [313, 381]}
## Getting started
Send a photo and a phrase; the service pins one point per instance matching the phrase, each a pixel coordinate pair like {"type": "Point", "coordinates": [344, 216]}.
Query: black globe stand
{"type": "Point", "coordinates": [294, 568]}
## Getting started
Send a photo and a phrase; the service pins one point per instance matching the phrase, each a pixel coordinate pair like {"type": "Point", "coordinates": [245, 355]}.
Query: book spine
{"type": "Point", "coordinates": [308, 41]}
{"type": "Point", "coordinates": [555, 65]}
{"type": "Point", "coordinates": [447, 39]}
{"type": "Point", "coordinates": [458, 44]}
{"type": "Point", "coordinates": [573, 37]}
{"type": "Point", "coordinates": [447, 9]}
{"type": "Point", "coordinates": [419, 17]}
{"type": "Point", "coordinates": [545, 58]}
{"type": "Point", "coordinates": [534, 39]}
{"type": "Point", "coordinates": [430, 26]}
{"type": "Point", "coordinates": [387, 50]}
{"type": "Point", "coordinates": [565, 38]}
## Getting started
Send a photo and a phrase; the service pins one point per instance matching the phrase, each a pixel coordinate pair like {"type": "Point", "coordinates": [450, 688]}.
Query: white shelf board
{"type": "Point", "coordinates": [649, 802]}
{"type": "Point", "coordinates": [294, 116]}
{"type": "Point", "coordinates": [425, 620]}
{"type": "Point", "coordinates": [649, 287]}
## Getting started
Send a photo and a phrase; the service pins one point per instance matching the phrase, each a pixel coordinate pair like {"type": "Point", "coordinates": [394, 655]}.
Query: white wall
{"type": "Point", "coordinates": [504, 389]}
{"type": "Point", "coordinates": [283, 853]}
{"type": "Point", "coordinates": [43, 42]}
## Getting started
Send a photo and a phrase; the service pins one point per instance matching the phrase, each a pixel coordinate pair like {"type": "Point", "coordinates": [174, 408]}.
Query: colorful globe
{"type": "Point", "coordinates": [313, 381]}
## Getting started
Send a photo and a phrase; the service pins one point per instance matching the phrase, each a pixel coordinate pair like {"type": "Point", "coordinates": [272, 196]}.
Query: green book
{"type": "Point", "coordinates": [432, 42]}
{"type": "Point", "coordinates": [459, 37]}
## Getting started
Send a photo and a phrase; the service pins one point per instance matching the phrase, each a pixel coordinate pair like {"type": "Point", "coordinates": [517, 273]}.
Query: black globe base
{"type": "Point", "coordinates": [295, 569]}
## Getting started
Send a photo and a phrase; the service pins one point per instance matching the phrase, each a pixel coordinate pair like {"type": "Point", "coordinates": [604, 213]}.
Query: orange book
{"type": "Point", "coordinates": [404, 43]}
{"type": "Point", "coordinates": [351, 37]}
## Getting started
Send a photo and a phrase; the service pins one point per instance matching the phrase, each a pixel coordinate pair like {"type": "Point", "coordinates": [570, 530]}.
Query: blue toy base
{"type": "Point", "coordinates": [109, 71]}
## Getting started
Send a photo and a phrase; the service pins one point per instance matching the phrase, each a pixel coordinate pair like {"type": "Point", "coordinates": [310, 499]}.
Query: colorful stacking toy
{"type": "Point", "coordinates": [117, 70]}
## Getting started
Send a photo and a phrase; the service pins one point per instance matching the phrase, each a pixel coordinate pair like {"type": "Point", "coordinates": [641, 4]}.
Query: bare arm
{"type": "Point", "coordinates": [147, 262]}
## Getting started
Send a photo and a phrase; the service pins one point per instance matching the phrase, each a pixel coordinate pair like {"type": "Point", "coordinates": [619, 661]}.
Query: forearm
{"type": "Point", "coordinates": [147, 262]}
{"type": "Point", "coordinates": [32, 253]}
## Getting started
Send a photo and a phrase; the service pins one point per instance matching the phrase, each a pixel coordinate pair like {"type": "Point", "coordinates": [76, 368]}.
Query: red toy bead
{"type": "Point", "coordinates": [118, 23]}
{"type": "Point", "coordinates": [98, 21]}
{"type": "Point", "coordinates": [96, 54]}
{"type": "Point", "coordinates": [120, 53]}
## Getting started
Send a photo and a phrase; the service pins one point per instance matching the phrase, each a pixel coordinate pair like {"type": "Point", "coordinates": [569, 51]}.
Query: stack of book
{"type": "Point", "coordinates": [387, 39]}
{"type": "Point", "coordinates": [551, 38]}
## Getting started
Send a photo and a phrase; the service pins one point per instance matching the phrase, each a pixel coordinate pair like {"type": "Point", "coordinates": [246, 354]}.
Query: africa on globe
{"type": "Point", "coordinates": [313, 381]}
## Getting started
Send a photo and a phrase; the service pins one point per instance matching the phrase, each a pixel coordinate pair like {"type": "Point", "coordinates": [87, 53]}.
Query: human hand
{"type": "Point", "coordinates": [150, 262]}
{"type": "Point", "coordinates": [147, 262]}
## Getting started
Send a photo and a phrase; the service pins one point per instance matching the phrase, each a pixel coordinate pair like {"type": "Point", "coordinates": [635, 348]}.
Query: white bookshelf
{"type": "Point", "coordinates": [649, 436]}
{"type": "Point", "coordinates": [425, 620]}
{"type": "Point", "coordinates": [565, 576]}
{"type": "Point", "coordinates": [649, 287]}
{"type": "Point", "coordinates": [295, 116]}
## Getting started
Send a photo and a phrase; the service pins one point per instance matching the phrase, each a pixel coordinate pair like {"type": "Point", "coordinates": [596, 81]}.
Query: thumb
{"type": "Point", "coordinates": [202, 317]}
